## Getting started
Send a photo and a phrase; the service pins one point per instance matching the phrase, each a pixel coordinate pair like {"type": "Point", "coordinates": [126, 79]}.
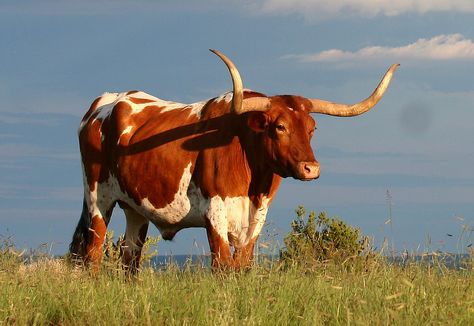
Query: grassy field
{"type": "Point", "coordinates": [353, 293]}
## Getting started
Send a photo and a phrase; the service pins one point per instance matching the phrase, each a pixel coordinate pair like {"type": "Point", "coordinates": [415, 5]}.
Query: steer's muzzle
{"type": "Point", "coordinates": [308, 170]}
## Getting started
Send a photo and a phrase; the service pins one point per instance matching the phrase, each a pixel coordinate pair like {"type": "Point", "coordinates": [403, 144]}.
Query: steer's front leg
{"type": "Point", "coordinates": [220, 250]}
{"type": "Point", "coordinates": [217, 228]}
{"type": "Point", "coordinates": [243, 256]}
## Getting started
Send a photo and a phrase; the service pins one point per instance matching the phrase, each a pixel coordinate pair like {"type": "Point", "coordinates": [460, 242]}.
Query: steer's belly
{"type": "Point", "coordinates": [187, 209]}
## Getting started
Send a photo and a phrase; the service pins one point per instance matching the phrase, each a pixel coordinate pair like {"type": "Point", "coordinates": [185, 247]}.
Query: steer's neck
{"type": "Point", "coordinates": [262, 181]}
{"type": "Point", "coordinates": [235, 166]}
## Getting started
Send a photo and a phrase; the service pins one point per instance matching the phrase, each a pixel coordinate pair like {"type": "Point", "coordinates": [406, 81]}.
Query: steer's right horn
{"type": "Point", "coordinates": [239, 104]}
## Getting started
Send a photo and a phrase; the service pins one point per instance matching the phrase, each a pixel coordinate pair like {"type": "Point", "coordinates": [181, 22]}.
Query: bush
{"type": "Point", "coordinates": [314, 240]}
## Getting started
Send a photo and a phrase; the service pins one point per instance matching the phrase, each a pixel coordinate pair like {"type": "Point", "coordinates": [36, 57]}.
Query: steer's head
{"type": "Point", "coordinates": [286, 129]}
{"type": "Point", "coordinates": [285, 124]}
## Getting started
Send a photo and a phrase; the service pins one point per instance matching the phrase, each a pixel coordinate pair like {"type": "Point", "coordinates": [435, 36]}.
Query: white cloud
{"type": "Point", "coordinates": [441, 47]}
{"type": "Point", "coordinates": [370, 8]}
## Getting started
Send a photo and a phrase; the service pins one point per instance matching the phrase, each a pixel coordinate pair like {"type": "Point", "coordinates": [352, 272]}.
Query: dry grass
{"type": "Point", "coordinates": [52, 292]}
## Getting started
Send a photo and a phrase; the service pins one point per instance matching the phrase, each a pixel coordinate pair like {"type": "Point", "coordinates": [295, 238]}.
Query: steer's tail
{"type": "Point", "coordinates": [80, 239]}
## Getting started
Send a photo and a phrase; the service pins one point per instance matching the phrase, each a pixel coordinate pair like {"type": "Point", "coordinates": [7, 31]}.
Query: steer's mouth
{"type": "Point", "coordinates": [304, 171]}
{"type": "Point", "coordinates": [307, 171]}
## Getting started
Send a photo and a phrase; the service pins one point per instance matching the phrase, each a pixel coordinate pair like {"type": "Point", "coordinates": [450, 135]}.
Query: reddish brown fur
{"type": "Point", "coordinates": [156, 142]}
{"type": "Point", "coordinates": [97, 235]}
{"type": "Point", "coordinates": [230, 156]}
{"type": "Point", "coordinates": [243, 256]}
{"type": "Point", "coordinates": [220, 250]}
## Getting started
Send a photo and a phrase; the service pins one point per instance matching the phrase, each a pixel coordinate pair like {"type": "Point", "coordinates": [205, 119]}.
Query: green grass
{"type": "Point", "coordinates": [358, 293]}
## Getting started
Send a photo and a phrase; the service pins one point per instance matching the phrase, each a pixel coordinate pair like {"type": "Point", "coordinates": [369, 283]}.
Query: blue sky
{"type": "Point", "coordinates": [57, 56]}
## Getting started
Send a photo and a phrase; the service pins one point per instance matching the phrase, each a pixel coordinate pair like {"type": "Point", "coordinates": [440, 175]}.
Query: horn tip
{"type": "Point", "coordinates": [220, 55]}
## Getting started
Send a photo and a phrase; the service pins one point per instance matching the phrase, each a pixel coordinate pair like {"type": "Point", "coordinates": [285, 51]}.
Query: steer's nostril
{"type": "Point", "coordinates": [308, 170]}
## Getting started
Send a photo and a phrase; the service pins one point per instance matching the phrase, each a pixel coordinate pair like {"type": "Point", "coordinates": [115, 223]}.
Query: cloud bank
{"type": "Point", "coordinates": [324, 8]}
{"type": "Point", "coordinates": [441, 47]}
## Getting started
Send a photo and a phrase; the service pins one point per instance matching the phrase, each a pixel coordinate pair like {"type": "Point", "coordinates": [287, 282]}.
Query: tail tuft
{"type": "Point", "coordinates": [80, 239]}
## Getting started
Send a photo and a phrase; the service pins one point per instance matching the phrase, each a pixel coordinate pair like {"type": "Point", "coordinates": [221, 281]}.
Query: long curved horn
{"type": "Point", "coordinates": [238, 87]}
{"type": "Point", "coordinates": [344, 110]}
{"type": "Point", "coordinates": [239, 104]}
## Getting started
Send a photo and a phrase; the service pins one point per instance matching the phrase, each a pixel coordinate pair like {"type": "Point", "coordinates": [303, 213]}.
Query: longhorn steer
{"type": "Point", "coordinates": [215, 164]}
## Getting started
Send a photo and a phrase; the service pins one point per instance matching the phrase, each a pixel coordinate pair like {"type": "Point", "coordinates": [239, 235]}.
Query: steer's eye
{"type": "Point", "coordinates": [280, 127]}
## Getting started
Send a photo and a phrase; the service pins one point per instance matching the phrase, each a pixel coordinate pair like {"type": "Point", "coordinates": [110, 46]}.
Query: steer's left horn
{"type": "Point", "coordinates": [236, 81]}
{"type": "Point", "coordinates": [239, 104]}
{"type": "Point", "coordinates": [344, 110]}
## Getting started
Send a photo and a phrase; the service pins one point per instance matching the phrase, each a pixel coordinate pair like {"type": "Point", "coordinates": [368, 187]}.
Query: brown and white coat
{"type": "Point", "coordinates": [215, 164]}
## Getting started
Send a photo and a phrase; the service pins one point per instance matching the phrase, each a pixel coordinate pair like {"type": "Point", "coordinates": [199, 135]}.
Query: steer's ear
{"type": "Point", "coordinates": [257, 121]}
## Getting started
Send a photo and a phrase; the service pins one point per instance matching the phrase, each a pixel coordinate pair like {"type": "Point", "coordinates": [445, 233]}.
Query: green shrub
{"type": "Point", "coordinates": [317, 239]}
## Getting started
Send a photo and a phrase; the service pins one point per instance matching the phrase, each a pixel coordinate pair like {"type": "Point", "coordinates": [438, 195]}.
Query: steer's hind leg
{"type": "Point", "coordinates": [95, 245]}
{"type": "Point", "coordinates": [88, 239]}
{"type": "Point", "coordinates": [135, 237]}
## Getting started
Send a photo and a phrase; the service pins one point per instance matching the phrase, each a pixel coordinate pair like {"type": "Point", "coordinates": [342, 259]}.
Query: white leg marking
{"type": "Point", "coordinates": [236, 219]}
{"type": "Point", "coordinates": [217, 215]}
